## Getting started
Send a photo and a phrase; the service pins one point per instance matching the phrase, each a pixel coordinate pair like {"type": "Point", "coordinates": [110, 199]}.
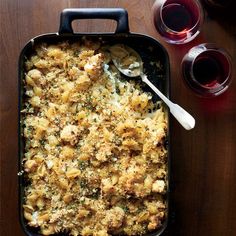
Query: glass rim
{"type": "Point", "coordinates": [199, 20]}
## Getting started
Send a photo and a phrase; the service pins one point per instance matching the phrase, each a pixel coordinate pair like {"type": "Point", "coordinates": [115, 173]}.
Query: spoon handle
{"type": "Point", "coordinates": [183, 117]}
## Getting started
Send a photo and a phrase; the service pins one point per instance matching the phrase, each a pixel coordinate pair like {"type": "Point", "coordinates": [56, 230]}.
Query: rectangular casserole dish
{"type": "Point", "coordinates": [156, 66]}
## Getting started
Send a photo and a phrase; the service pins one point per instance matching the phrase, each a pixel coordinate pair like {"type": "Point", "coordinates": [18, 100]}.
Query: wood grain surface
{"type": "Point", "coordinates": [203, 160]}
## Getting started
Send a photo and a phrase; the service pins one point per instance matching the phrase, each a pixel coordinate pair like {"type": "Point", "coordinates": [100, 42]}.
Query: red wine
{"type": "Point", "coordinates": [209, 69]}
{"type": "Point", "coordinates": [177, 17]}
{"type": "Point", "coordinates": [178, 21]}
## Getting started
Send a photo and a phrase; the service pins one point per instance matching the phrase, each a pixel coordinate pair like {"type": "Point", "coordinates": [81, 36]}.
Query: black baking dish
{"type": "Point", "coordinates": [149, 49]}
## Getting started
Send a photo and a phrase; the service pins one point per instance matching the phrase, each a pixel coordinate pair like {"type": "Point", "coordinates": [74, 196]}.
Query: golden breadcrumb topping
{"type": "Point", "coordinates": [94, 145]}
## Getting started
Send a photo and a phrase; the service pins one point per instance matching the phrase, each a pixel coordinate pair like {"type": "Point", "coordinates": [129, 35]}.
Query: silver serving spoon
{"type": "Point", "coordinates": [129, 63]}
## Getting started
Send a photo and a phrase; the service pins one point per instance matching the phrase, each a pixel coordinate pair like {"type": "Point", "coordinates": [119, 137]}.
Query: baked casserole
{"type": "Point", "coordinates": [95, 156]}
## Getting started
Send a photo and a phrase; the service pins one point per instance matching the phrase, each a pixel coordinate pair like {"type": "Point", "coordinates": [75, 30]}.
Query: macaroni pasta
{"type": "Point", "coordinates": [94, 145]}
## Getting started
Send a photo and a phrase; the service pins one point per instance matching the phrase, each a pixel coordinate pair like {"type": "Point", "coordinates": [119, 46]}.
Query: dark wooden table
{"type": "Point", "coordinates": [203, 160]}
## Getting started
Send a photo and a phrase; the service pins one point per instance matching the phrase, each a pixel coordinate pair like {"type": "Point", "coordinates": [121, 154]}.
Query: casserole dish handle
{"type": "Point", "coordinates": [120, 15]}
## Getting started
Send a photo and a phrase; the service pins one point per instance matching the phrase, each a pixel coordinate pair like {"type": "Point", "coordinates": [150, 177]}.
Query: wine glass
{"type": "Point", "coordinates": [177, 21]}
{"type": "Point", "coordinates": [207, 69]}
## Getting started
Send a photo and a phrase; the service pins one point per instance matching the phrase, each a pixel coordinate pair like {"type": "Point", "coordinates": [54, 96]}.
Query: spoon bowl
{"type": "Point", "coordinates": [126, 60]}
{"type": "Point", "coordinates": [129, 63]}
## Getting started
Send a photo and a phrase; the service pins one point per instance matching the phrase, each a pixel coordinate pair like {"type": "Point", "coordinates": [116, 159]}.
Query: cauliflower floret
{"type": "Point", "coordinates": [94, 66]}
{"type": "Point", "coordinates": [30, 165]}
{"type": "Point", "coordinates": [114, 218]}
{"type": "Point", "coordinates": [107, 186]}
{"type": "Point", "coordinates": [104, 153]}
{"type": "Point", "coordinates": [35, 101]}
{"type": "Point", "coordinates": [158, 186]}
{"type": "Point", "coordinates": [70, 134]}
{"type": "Point", "coordinates": [83, 82]}
{"type": "Point", "coordinates": [154, 222]}
{"type": "Point", "coordinates": [35, 74]}
{"type": "Point", "coordinates": [55, 52]}
{"type": "Point", "coordinates": [35, 77]}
